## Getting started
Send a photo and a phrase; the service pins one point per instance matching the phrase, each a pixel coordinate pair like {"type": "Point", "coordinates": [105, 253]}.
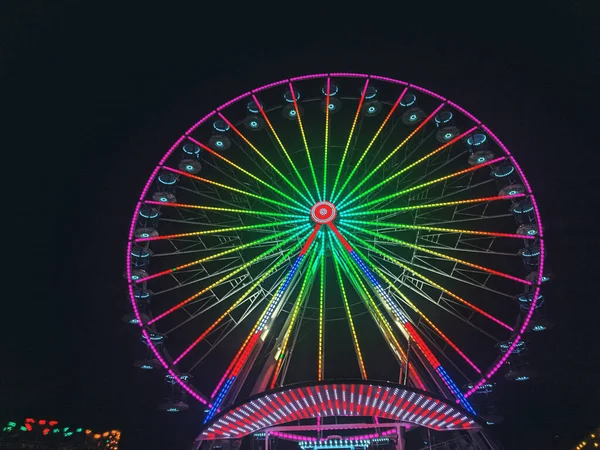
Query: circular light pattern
{"type": "Point", "coordinates": [323, 212]}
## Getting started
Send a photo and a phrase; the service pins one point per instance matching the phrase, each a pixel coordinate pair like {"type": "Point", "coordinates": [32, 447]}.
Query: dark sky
{"type": "Point", "coordinates": [94, 96]}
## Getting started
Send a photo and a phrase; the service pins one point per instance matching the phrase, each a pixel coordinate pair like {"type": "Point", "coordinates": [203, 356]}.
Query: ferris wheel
{"type": "Point", "coordinates": [335, 227]}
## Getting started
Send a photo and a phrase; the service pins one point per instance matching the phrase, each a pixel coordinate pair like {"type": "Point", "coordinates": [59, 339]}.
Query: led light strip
{"type": "Point", "coordinates": [229, 210]}
{"type": "Point", "coordinates": [223, 253]}
{"type": "Point", "coordinates": [361, 363]}
{"type": "Point", "coordinates": [239, 191]}
{"type": "Point", "coordinates": [226, 277]}
{"type": "Point", "coordinates": [299, 119]}
{"type": "Point", "coordinates": [321, 368]}
{"type": "Point", "coordinates": [418, 311]}
{"type": "Point", "coordinates": [430, 205]}
{"type": "Point", "coordinates": [222, 230]}
{"type": "Point", "coordinates": [352, 268]}
{"type": "Point", "coordinates": [276, 136]}
{"type": "Point", "coordinates": [265, 159]}
{"type": "Point", "coordinates": [241, 169]}
{"type": "Point", "coordinates": [254, 285]}
{"type": "Point", "coordinates": [428, 183]}
{"type": "Point", "coordinates": [405, 323]}
{"type": "Point", "coordinates": [297, 304]}
{"type": "Point", "coordinates": [346, 202]}
{"type": "Point", "coordinates": [443, 230]}
{"type": "Point", "coordinates": [441, 255]}
{"type": "Point", "coordinates": [326, 146]}
{"type": "Point", "coordinates": [244, 352]}
{"type": "Point", "coordinates": [356, 116]}
{"type": "Point", "coordinates": [429, 281]}
{"type": "Point", "coordinates": [368, 147]}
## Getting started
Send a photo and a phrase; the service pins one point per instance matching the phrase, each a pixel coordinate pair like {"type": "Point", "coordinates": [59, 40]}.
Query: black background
{"type": "Point", "coordinates": [94, 95]}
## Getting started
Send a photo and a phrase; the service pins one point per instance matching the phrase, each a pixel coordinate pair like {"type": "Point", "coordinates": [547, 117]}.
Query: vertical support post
{"type": "Point", "coordinates": [266, 440]}
{"type": "Point", "coordinates": [400, 442]}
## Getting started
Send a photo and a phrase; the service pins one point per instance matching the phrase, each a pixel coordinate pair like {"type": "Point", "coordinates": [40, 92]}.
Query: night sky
{"type": "Point", "coordinates": [94, 97]}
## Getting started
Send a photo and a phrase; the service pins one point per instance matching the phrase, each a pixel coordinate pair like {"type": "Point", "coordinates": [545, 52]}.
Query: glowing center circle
{"type": "Point", "coordinates": [323, 212]}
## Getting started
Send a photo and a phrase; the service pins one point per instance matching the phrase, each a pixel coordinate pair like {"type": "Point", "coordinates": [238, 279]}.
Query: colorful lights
{"type": "Point", "coordinates": [353, 264]}
{"type": "Point", "coordinates": [46, 432]}
{"type": "Point", "coordinates": [287, 404]}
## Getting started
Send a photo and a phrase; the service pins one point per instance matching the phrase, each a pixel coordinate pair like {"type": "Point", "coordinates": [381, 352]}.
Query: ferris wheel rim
{"type": "Point", "coordinates": [251, 94]}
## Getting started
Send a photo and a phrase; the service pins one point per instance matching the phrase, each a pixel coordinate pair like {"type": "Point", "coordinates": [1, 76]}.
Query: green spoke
{"type": "Point", "coordinates": [225, 210]}
{"type": "Point", "coordinates": [361, 363]}
{"type": "Point", "coordinates": [264, 158]}
{"type": "Point", "coordinates": [366, 150]}
{"type": "Point", "coordinates": [239, 191]}
{"type": "Point", "coordinates": [285, 152]}
{"type": "Point", "coordinates": [237, 248]}
{"type": "Point", "coordinates": [429, 205]}
{"type": "Point", "coordinates": [438, 254]}
{"type": "Point", "coordinates": [231, 274]}
{"type": "Point", "coordinates": [223, 230]}
{"type": "Point", "coordinates": [310, 162]}
{"type": "Point", "coordinates": [356, 116]}
{"type": "Point", "coordinates": [422, 185]}
{"type": "Point", "coordinates": [300, 299]}
{"type": "Point", "coordinates": [251, 175]}
{"type": "Point", "coordinates": [394, 260]}
{"type": "Point", "coordinates": [442, 230]}
{"type": "Point", "coordinates": [348, 201]}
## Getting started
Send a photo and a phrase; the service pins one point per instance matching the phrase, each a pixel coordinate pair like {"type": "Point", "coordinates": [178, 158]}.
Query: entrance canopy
{"type": "Point", "coordinates": [328, 399]}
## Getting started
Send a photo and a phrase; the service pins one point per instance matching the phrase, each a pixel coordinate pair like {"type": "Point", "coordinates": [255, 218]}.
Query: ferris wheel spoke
{"type": "Point", "coordinates": [263, 157]}
{"type": "Point", "coordinates": [407, 301]}
{"type": "Point", "coordinates": [349, 141]}
{"type": "Point", "coordinates": [401, 209]}
{"type": "Point", "coordinates": [285, 152]}
{"type": "Point", "coordinates": [404, 322]}
{"type": "Point", "coordinates": [322, 284]}
{"type": "Point", "coordinates": [399, 263]}
{"type": "Point", "coordinates": [246, 172]}
{"type": "Point", "coordinates": [326, 144]}
{"type": "Point", "coordinates": [421, 186]}
{"type": "Point", "coordinates": [228, 276]}
{"type": "Point", "coordinates": [438, 254]}
{"type": "Point", "coordinates": [239, 191]}
{"type": "Point", "coordinates": [218, 209]}
{"type": "Point", "coordinates": [348, 199]}
{"type": "Point", "coordinates": [428, 298]}
{"type": "Point", "coordinates": [395, 226]}
{"type": "Point", "coordinates": [368, 147]}
{"type": "Point", "coordinates": [359, 358]}
{"type": "Point", "coordinates": [308, 155]}
{"type": "Point", "coordinates": [300, 299]}
{"type": "Point", "coordinates": [295, 231]}
{"type": "Point", "coordinates": [269, 271]}
{"type": "Point", "coordinates": [261, 325]}
{"type": "Point", "coordinates": [352, 271]}
{"type": "Point", "coordinates": [222, 230]}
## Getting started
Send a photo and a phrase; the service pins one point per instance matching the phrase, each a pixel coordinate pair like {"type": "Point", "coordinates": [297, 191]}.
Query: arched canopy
{"type": "Point", "coordinates": [348, 398]}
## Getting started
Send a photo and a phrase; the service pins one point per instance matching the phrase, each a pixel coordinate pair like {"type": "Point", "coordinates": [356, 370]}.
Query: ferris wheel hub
{"type": "Point", "coordinates": [323, 212]}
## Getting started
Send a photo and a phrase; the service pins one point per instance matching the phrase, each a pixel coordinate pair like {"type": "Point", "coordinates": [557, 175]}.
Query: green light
{"type": "Point", "coordinates": [310, 163]}
{"type": "Point", "coordinates": [22, 428]}
{"type": "Point", "coordinates": [339, 171]}
{"type": "Point", "coordinates": [264, 158]}
{"type": "Point", "coordinates": [12, 424]}
{"type": "Point", "coordinates": [420, 186]}
{"type": "Point", "coordinates": [241, 191]}
{"type": "Point", "coordinates": [79, 430]}
{"type": "Point", "coordinates": [285, 152]}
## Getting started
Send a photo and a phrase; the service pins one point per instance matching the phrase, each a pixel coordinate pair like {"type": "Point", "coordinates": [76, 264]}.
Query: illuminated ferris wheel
{"type": "Point", "coordinates": [336, 245]}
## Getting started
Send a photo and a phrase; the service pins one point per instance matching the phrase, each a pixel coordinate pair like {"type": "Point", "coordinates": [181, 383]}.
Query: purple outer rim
{"type": "Point", "coordinates": [495, 366]}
